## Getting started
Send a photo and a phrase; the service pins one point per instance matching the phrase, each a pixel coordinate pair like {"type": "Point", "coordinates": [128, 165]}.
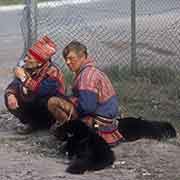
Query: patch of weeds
{"type": "Point", "coordinates": [13, 2]}
{"type": "Point", "coordinates": [162, 75]}
{"type": "Point", "coordinates": [68, 77]}
{"type": "Point", "coordinates": [118, 73]}
{"type": "Point", "coordinates": [153, 92]}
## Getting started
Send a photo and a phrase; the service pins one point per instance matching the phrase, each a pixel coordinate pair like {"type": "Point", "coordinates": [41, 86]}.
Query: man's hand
{"type": "Point", "coordinates": [12, 102]}
{"type": "Point", "coordinates": [20, 73]}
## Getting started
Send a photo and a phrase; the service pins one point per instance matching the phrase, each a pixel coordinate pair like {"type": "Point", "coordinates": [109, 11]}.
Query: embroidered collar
{"type": "Point", "coordinates": [86, 64]}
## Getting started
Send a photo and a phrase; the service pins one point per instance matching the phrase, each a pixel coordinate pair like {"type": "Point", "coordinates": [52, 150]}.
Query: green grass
{"type": "Point", "coordinates": [68, 77]}
{"type": "Point", "coordinates": [13, 2]}
{"type": "Point", "coordinates": [153, 92]}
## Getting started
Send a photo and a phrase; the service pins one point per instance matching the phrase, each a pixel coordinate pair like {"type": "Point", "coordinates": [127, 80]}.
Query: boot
{"type": "Point", "coordinates": [24, 129]}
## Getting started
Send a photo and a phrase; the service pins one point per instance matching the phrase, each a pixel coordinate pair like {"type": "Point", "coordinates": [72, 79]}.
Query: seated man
{"type": "Point", "coordinates": [94, 99]}
{"type": "Point", "coordinates": [39, 79]}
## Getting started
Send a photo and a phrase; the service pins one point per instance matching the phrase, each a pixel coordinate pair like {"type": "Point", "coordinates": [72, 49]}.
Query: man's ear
{"type": "Point", "coordinates": [82, 59]}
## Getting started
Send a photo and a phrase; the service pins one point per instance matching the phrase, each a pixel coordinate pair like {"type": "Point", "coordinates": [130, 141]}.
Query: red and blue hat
{"type": "Point", "coordinates": [43, 49]}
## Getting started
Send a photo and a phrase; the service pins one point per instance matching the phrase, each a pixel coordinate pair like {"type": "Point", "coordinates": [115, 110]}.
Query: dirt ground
{"type": "Point", "coordinates": [36, 157]}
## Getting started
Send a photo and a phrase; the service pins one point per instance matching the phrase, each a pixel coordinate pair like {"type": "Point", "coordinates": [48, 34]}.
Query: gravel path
{"type": "Point", "coordinates": [36, 157]}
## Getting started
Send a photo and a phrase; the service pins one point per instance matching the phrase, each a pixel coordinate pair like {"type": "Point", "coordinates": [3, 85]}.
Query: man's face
{"type": "Point", "coordinates": [74, 61]}
{"type": "Point", "coordinates": [30, 62]}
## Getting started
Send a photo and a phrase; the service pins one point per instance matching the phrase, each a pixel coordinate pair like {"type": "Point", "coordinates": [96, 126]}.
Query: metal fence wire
{"type": "Point", "coordinates": [112, 30]}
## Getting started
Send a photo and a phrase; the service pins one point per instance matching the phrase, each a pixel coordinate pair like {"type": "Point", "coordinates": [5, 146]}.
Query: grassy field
{"type": "Point", "coordinates": [12, 2]}
{"type": "Point", "coordinates": [153, 93]}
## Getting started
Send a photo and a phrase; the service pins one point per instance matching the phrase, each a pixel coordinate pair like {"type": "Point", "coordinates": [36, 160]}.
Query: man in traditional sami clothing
{"type": "Point", "coordinates": [35, 82]}
{"type": "Point", "coordinates": [94, 99]}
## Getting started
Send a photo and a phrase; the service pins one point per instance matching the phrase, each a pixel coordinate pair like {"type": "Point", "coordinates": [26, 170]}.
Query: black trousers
{"type": "Point", "coordinates": [34, 113]}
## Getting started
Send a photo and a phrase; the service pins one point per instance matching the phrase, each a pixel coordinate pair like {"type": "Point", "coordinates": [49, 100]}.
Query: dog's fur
{"type": "Point", "coordinates": [88, 151]}
{"type": "Point", "coordinates": [135, 128]}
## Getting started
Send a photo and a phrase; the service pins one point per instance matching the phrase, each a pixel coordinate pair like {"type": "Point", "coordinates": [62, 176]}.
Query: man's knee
{"type": "Point", "coordinates": [11, 102]}
{"type": "Point", "coordinates": [52, 104]}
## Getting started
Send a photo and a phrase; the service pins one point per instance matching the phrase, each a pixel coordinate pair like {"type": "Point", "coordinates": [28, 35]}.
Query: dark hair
{"type": "Point", "coordinates": [77, 47]}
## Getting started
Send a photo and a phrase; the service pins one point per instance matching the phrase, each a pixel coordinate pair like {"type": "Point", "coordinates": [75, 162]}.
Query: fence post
{"type": "Point", "coordinates": [133, 37]}
{"type": "Point", "coordinates": [31, 21]}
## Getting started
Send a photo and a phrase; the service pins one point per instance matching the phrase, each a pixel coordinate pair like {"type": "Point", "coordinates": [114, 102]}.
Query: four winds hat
{"type": "Point", "coordinates": [43, 49]}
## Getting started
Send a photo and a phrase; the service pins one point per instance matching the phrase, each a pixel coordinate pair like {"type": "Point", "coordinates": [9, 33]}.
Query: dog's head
{"type": "Point", "coordinates": [71, 128]}
{"type": "Point", "coordinates": [76, 128]}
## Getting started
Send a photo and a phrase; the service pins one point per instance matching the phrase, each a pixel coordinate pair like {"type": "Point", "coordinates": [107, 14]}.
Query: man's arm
{"type": "Point", "coordinates": [87, 102]}
{"type": "Point", "coordinates": [13, 87]}
{"type": "Point", "coordinates": [48, 87]}
{"type": "Point", "coordinates": [11, 94]}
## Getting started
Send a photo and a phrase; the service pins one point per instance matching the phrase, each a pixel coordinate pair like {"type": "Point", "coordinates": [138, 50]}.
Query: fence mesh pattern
{"type": "Point", "coordinates": [104, 26]}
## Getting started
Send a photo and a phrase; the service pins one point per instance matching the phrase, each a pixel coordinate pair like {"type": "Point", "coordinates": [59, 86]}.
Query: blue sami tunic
{"type": "Point", "coordinates": [47, 82]}
{"type": "Point", "coordinates": [97, 102]}
{"type": "Point", "coordinates": [95, 93]}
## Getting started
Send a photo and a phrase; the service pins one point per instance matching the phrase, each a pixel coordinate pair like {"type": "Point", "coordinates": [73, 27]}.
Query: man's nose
{"type": "Point", "coordinates": [68, 61]}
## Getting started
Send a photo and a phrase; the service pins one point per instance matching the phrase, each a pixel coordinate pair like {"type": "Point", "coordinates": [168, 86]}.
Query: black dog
{"type": "Point", "coordinates": [88, 151]}
{"type": "Point", "coordinates": [135, 128]}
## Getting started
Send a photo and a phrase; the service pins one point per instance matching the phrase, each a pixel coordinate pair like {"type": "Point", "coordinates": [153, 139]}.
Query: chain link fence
{"type": "Point", "coordinates": [135, 42]}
